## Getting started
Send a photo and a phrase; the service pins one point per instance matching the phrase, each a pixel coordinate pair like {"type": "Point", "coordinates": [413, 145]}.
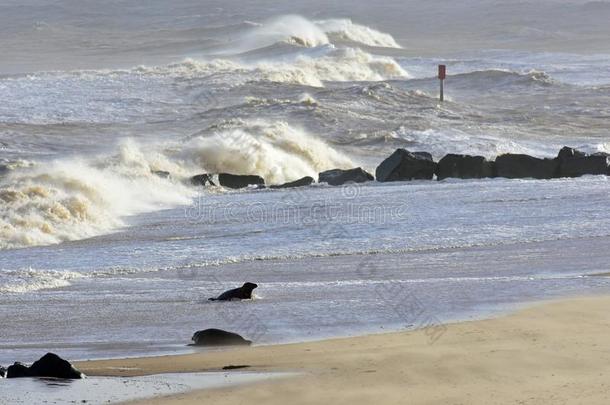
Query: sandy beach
{"type": "Point", "coordinates": [555, 352]}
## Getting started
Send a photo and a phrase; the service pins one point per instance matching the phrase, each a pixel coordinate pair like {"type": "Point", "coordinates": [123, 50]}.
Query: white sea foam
{"type": "Point", "coordinates": [74, 198]}
{"type": "Point", "coordinates": [28, 280]}
{"type": "Point", "coordinates": [327, 64]}
{"type": "Point", "coordinates": [347, 30]}
{"type": "Point", "coordinates": [274, 150]}
{"type": "Point", "coordinates": [300, 31]}
{"type": "Point", "coordinates": [290, 28]}
{"type": "Point", "coordinates": [442, 141]}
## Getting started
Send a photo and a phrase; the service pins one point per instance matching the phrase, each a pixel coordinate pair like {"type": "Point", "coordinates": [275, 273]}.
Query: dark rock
{"type": "Point", "coordinates": [242, 293]}
{"type": "Point", "coordinates": [18, 370]}
{"type": "Point", "coordinates": [338, 177]}
{"type": "Point", "coordinates": [202, 180]}
{"type": "Point", "coordinates": [569, 153]}
{"type": "Point", "coordinates": [218, 337]}
{"type": "Point", "coordinates": [464, 167]}
{"type": "Point", "coordinates": [305, 181]}
{"type": "Point", "coordinates": [238, 181]}
{"type": "Point", "coordinates": [514, 166]}
{"type": "Point", "coordinates": [2, 372]}
{"type": "Point", "coordinates": [404, 165]}
{"type": "Point", "coordinates": [592, 164]}
{"type": "Point", "coordinates": [573, 163]}
{"type": "Point", "coordinates": [232, 367]}
{"type": "Point", "coordinates": [49, 365]}
{"type": "Point", "coordinates": [161, 173]}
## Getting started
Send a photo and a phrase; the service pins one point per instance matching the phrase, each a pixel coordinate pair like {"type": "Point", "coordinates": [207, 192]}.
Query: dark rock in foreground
{"type": "Point", "coordinates": [573, 163]}
{"type": "Point", "coordinates": [338, 177]}
{"type": "Point", "coordinates": [18, 370]}
{"type": "Point", "coordinates": [202, 180]}
{"type": "Point", "coordinates": [464, 167]}
{"type": "Point", "coordinates": [305, 181]}
{"type": "Point", "coordinates": [232, 367]}
{"type": "Point", "coordinates": [49, 365]}
{"type": "Point", "coordinates": [218, 337]}
{"type": "Point", "coordinates": [515, 166]}
{"type": "Point", "coordinates": [236, 181]}
{"type": "Point", "coordinates": [404, 165]}
{"type": "Point", "coordinates": [242, 293]}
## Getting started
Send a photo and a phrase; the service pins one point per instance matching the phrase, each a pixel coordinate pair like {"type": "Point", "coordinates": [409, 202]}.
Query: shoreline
{"type": "Point", "coordinates": [552, 351]}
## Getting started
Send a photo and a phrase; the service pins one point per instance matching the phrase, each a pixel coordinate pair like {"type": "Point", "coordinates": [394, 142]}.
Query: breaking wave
{"type": "Point", "coordinates": [300, 31]}
{"type": "Point", "coordinates": [347, 30]}
{"type": "Point", "coordinates": [73, 199]}
{"type": "Point", "coordinates": [339, 65]}
{"type": "Point", "coordinates": [486, 79]}
{"type": "Point", "coordinates": [276, 151]}
{"type": "Point", "coordinates": [294, 50]}
{"type": "Point", "coordinates": [28, 280]}
{"type": "Point", "coordinates": [289, 28]}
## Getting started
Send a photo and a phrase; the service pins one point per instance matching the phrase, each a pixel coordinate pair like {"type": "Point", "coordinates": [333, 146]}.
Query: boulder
{"type": "Point", "coordinates": [338, 177]}
{"type": "Point", "coordinates": [569, 153]}
{"type": "Point", "coordinates": [404, 165]}
{"type": "Point", "coordinates": [516, 166]}
{"type": "Point", "coordinates": [305, 181]}
{"type": "Point", "coordinates": [49, 365]}
{"type": "Point", "coordinates": [18, 370]}
{"type": "Point", "coordinates": [464, 167]}
{"type": "Point", "coordinates": [202, 180]}
{"type": "Point", "coordinates": [218, 337]}
{"type": "Point", "coordinates": [573, 163]}
{"type": "Point", "coordinates": [236, 181]}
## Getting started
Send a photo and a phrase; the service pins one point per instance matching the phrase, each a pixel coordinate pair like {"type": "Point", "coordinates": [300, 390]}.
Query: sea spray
{"type": "Point", "coordinates": [347, 30]}
{"type": "Point", "coordinates": [303, 68]}
{"type": "Point", "coordinates": [274, 150]}
{"type": "Point", "coordinates": [294, 29]}
{"type": "Point", "coordinates": [77, 198]}
{"type": "Point", "coordinates": [74, 198]}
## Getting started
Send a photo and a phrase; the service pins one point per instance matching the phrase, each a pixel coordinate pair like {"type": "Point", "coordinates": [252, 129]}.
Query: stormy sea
{"type": "Point", "coordinates": [107, 109]}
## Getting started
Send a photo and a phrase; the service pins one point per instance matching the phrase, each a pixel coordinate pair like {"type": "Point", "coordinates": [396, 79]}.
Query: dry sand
{"type": "Point", "coordinates": [553, 353]}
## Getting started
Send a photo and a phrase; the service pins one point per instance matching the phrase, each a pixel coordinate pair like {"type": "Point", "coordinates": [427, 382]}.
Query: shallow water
{"type": "Point", "coordinates": [326, 262]}
{"type": "Point", "coordinates": [103, 390]}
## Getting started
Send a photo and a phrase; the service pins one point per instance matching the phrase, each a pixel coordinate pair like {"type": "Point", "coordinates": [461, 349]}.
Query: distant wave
{"type": "Point", "coordinates": [347, 30]}
{"type": "Point", "coordinates": [331, 64]}
{"type": "Point", "coordinates": [499, 78]}
{"type": "Point", "coordinates": [300, 31]}
{"type": "Point", "coordinates": [442, 141]}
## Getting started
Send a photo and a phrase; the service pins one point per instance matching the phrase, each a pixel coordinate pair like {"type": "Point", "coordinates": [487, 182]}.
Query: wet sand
{"type": "Point", "coordinates": [556, 352]}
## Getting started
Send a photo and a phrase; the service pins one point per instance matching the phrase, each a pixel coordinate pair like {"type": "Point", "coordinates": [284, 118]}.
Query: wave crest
{"type": "Point", "coordinates": [73, 199]}
{"type": "Point", "coordinates": [28, 280]}
{"type": "Point", "coordinates": [345, 29]}
{"type": "Point", "coordinates": [275, 151]}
